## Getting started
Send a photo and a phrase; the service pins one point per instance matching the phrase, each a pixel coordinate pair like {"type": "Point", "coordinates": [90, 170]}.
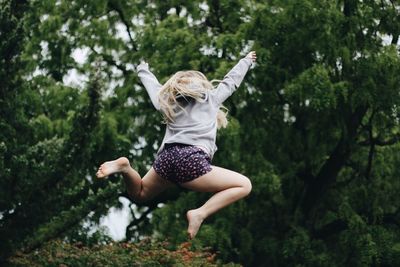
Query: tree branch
{"type": "Point", "coordinates": [394, 140]}
{"type": "Point", "coordinates": [135, 222]}
{"type": "Point", "coordinates": [371, 148]}
{"type": "Point", "coordinates": [395, 39]}
{"type": "Point", "coordinates": [111, 61]}
{"type": "Point", "coordinates": [61, 223]}
{"type": "Point", "coordinates": [339, 225]}
{"type": "Point", "coordinates": [116, 6]}
{"type": "Point", "coordinates": [316, 188]}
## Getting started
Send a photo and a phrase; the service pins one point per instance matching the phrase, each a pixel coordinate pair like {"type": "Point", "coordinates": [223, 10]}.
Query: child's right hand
{"type": "Point", "coordinates": [252, 55]}
{"type": "Point", "coordinates": [143, 62]}
{"type": "Point", "coordinates": [142, 65]}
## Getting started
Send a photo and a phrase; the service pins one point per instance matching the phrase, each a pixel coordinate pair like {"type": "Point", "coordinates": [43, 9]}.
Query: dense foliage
{"type": "Point", "coordinates": [315, 125]}
{"type": "Point", "coordinates": [144, 253]}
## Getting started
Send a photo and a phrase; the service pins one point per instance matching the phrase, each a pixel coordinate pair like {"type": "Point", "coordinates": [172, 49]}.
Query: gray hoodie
{"type": "Point", "coordinates": [196, 124]}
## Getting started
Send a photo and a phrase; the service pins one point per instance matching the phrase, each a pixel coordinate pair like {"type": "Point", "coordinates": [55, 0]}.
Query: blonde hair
{"type": "Point", "coordinates": [189, 84]}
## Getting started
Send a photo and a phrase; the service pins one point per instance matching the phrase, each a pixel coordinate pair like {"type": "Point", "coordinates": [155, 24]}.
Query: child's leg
{"type": "Point", "coordinates": [138, 189]}
{"type": "Point", "coordinates": [229, 186]}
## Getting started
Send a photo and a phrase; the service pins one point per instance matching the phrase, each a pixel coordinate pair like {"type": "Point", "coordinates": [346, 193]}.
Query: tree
{"type": "Point", "coordinates": [46, 146]}
{"type": "Point", "coordinates": [326, 94]}
{"type": "Point", "coordinates": [315, 125]}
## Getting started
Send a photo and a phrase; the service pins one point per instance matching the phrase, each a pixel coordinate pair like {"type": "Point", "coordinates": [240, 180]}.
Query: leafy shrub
{"type": "Point", "coordinates": [145, 253]}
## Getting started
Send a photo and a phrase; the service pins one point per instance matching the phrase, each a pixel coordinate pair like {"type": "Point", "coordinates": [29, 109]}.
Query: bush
{"type": "Point", "coordinates": [145, 253]}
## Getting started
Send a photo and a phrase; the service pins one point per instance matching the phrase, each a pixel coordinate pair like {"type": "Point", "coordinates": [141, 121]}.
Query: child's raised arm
{"type": "Point", "coordinates": [234, 78]}
{"type": "Point", "coordinates": [150, 82]}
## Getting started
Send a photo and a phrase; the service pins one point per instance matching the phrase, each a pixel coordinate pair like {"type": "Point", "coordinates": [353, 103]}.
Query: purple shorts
{"type": "Point", "coordinates": [180, 163]}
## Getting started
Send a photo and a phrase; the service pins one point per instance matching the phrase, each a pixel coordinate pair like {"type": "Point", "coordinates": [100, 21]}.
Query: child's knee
{"type": "Point", "coordinates": [247, 186]}
{"type": "Point", "coordinates": [137, 197]}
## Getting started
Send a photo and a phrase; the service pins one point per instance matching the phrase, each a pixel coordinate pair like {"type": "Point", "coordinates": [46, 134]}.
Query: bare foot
{"type": "Point", "coordinates": [110, 167]}
{"type": "Point", "coordinates": [195, 219]}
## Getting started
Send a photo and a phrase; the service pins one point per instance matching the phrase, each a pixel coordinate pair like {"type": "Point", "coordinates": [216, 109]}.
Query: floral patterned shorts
{"type": "Point", "coordinates": [180, 163]}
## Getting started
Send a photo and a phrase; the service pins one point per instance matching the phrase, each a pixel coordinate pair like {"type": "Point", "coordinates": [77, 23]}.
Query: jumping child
{"type": "Point", "coordinates": [191, 108]}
